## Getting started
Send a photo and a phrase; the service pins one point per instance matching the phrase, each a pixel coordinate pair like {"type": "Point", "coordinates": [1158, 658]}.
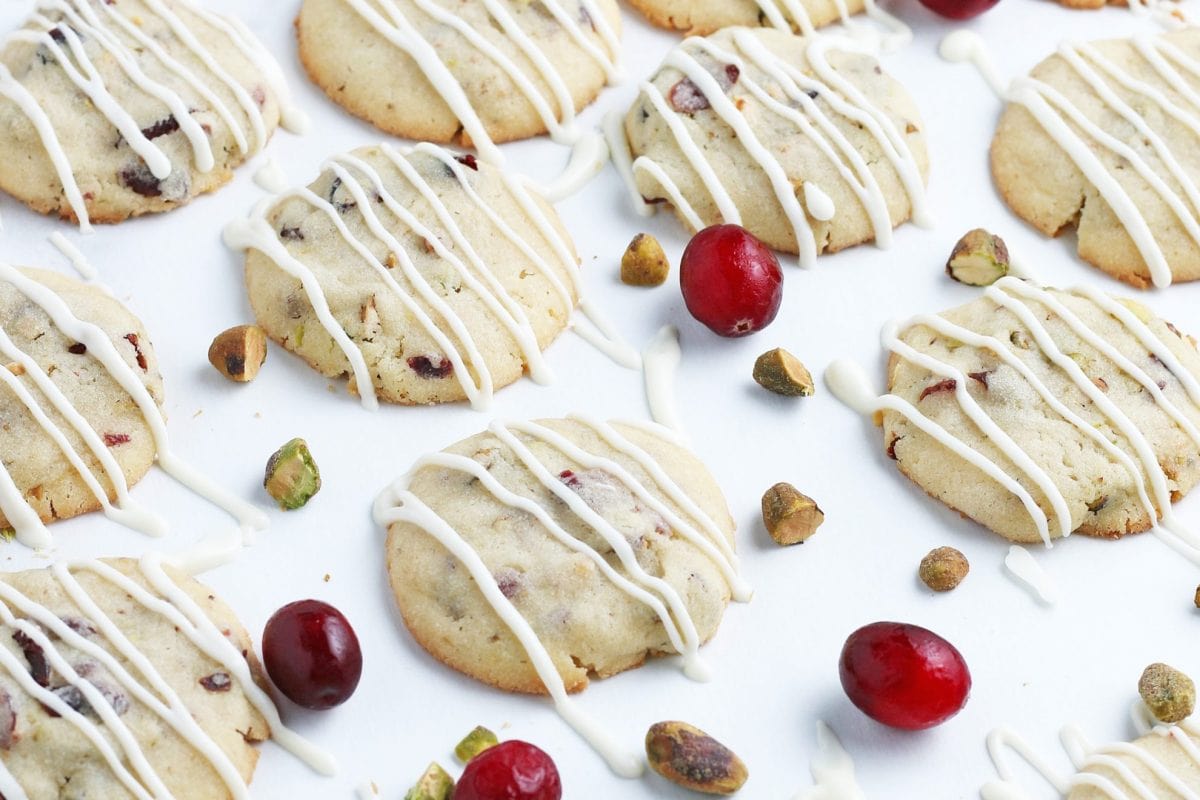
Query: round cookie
{"type": "Point", "coordinates": [1168, 756]}
{"type": "Point", "coordinates": [398, 63]}
{"type": "Point", "coordinates": [1089, 404]}
{"type": "Point", "coordinates": [586, 622]}
{"type": "Point", "coordinates": [437, 276]}
{"type": "Point", "coordinates": [702, 17]}
{"type": "Point", "coordinates": [45, 748]}
{"type": "Point", "coordinates": [179, 97]}
{"type": "Point", "coordinates": [810, 147]}
{"type": "Point", "coordinates": [1101, 138]}
{"type": "Point", "coordinates": [38, 468]}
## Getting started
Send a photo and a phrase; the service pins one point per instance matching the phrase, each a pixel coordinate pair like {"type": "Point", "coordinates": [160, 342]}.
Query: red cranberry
{"type": "Point", "coordinates": [512, 770]}
{"type": "Point", "coordinates": [903, 675]}
{"type": "Point", "coordinates": [959, 9]}
{"type": "Point", "coordinates": [312, 654]}
{"type": "Point", "coordinates": [731, 281]}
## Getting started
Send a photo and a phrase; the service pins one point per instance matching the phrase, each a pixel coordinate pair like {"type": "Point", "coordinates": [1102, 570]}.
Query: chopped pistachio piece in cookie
{"type": "Point", "coordinates": [474, 743]}
{"type": "Point", "coordinates": [239, 352]}
{"type": "Point", "coordinates": [292, 476]}
{"type": "Point", "coordinates": [644, 262]}
{"type": "Point", "coordinates": [790, 517]}
{"type": "Point", "coordinates": [435, 784]}
{"type": "Point", "coordinates": [979, 259]}
{"type": "Point", "coordinates": [689, 757]}
{"type": "Point", "coordinates": [1168, 693]}
{"type": "Point", "coordinates": [781, 372]}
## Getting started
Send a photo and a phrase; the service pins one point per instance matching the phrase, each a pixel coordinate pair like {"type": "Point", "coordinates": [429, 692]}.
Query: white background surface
{"type": "Point", "coordinates": [1125, 604]}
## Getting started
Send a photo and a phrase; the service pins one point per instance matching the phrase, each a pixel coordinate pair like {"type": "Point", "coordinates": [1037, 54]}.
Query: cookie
{"type": "Point", "coordinates": [113, 688]}
{"type": "Point", "coordinates": [1040, 412]}
{"type": "Point", "coordinates": [1155, 765]}
{"type": "Point", "coordinates": [74, 438]}
{"type": "Point", "coordinates": [811, 147]}
{"type": "Point", "coordinates": [1100, 137]}
{"type": "Point", "coordinates": [606, 544]}
{"type": "Point", "coordinates": [702, 17]}
{"type": "Point", "coordinates": [471, 72]}
{"type": "Point", "coordinates": [423, 275]}
{"type": "Point", "coordinates": [111, 110]}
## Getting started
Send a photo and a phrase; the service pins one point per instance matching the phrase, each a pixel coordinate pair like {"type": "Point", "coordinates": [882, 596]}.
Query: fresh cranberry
{"type": "Point", "coordinates": [312, 654]}
{"type": "Point", "coordinates": [731, 281]}
{"type": "Point", "coordinates": [903, 675]}
{"type": "Point", "coordinates": [959, 9]}
{"type": "Point", "coordinates": [512, 770]}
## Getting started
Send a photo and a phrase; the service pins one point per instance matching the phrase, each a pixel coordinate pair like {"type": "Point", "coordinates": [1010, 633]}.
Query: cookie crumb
{"type": "Point", "coordinates": [943, 568]}
{"type": "Point", "coordinates": [1168, 693]}
{"type": "Point", "coordinates": [978, 259]}
{"type": "Point", "coordinates": [790, 517]}
{"type": "Point", "coordinates": [781, 372]}
{"type": "Point", "coordinates": [644, 262]}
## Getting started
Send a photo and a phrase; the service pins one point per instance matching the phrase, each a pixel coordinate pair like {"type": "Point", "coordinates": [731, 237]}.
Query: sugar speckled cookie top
{"type": "Point", "coordinates": [1105, 137]}
{"type": "Point", "coordinates": [121, 682]}
{"type": "Point", "coordinates": [422, 275]}
{"type": "Point", "coordinates": [807, 144]}
{"type": "Point", "coordinates": [1039, 413]}
{"type": "Point", "coordinates": [61, 405]}
{"type": "Point", "coordinates": [472, 72]}
{"type": "Point", "coordinates": [111, 110]}
{"type": "Point", "coordinates": [702, 17]}
{"type": "Point", "coordinates": [610, 543]}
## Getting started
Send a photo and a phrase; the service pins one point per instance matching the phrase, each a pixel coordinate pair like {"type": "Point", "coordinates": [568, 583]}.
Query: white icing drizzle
{"type": "Point", "coordinates": [661, 363]}
{"type": "Point", "coordinates": [21, 516]}
{"type": "Point", "coordinates": [589, 154]}
{"type": "Point", "coordinates": [798, 18]}
{"type": "Point", "coordinates": [362, 181]}
{"type": "Point", "coordinates": [141, 680]}
{"type": "Point", "coordinates": [1028, 573]}
{"type": "Point", "coordinates": [797, 107]}
{"type": "Point", "coordinates": [270, 177]}
{"type": "Point", "coordinates": [1018, 297]}
{"type": "Point", "coordinates": [78, 260]}
{"type": "Point", "coordinates": [1068, 125]}
{"type": "Point", "coordinates": [398, 504]}
{"type": "Point", "coordinates": [1084, 755]}
{"type": "Point", "coordinates": [120, 40]}
{"type": "Point", "coordinates": [832, 770]}
{"type": "Point", "coordinates": [387, 17]}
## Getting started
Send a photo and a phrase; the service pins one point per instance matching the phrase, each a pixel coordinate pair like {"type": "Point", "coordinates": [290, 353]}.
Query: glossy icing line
{"type": "Point", "coordinates": [99, 347]}
{"type": "Point", "coordinates": [1083, 755]}
{"type": "Point", "coordinates": [1067, 124]}
{"type": "Point", "coordinates": [398, 504]}
{"type": "Point", "coordinates": [801, 110]}
{"type": "Point", "coordinates": [121, 41]}
{"type": "Point", "coordinates": [660, 362]}
{"type": "Point", "coordinates": [832, 770]}
{"type": "Point", "coordinates": [390, 21]}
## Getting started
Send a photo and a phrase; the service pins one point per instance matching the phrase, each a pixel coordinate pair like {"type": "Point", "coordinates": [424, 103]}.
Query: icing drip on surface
{"type": "Point", "coordinates": [384, 219]}
{"type": "Point", "coordinates": [661, 360]}
{"type": "Point", "coordinates": [1080, 137]}
{"type": "Point", "coordinates": [1084, 755]}
{"type": "Point", "coordinates": [62, 27]}
{"type": "Point", "coordinates": [78, 260]}
{"type": "Point", "coordinates": [24, 520]}
{"type": "Point", "coordinates": [832, 770]}
{"type": "Point", "coordinates": [790, 95]}
{"type": "Point", "coordinates": [556, 112]}
{"type": "Point", "coordinates": [1028, 573]}
{"type": "Point", "coordinates": [135, 673]}
{"type": "Point", "coordinates": [661, 495]}
{"type": "Point", "coordinates": [270, 177]}
{"type": "Point", "coordinates": [1020, 298]}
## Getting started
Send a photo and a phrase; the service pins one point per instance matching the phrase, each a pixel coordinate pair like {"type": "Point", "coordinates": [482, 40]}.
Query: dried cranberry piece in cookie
{"type": "Point", "coordinates": [431, 367]}
{"type": "Point", "coordinates": [512, 770]}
